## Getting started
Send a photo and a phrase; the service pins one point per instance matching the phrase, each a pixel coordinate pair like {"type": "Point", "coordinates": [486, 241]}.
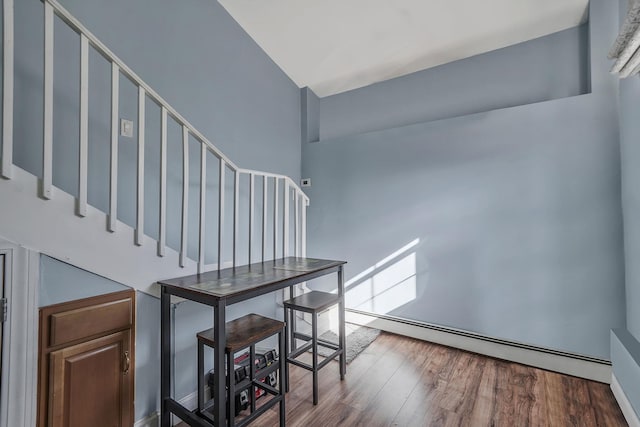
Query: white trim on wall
{"type": "Point", "coordinates": [592, 369]}
{"type": "Point", "coordinates": [20, 338]}
{"type": "Point", "coordinates": [627, 410]}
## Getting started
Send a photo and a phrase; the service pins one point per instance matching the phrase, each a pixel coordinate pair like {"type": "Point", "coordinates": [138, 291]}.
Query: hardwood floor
{"type": "Point", "coordinates": [399, 381]}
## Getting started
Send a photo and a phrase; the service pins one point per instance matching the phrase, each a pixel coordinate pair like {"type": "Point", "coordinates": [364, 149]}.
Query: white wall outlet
{"type": "Point", "coordinates": [305, 182]}
{"type": "Point", "coordinates": [126, 128]}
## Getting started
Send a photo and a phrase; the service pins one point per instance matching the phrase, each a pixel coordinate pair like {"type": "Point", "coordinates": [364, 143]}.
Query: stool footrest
{"type": "Point", "coordinates": [260, 375]}
{"type": "Point", "coordinates": [181, 412]}
{"type": "Point", "coordinates": [302, 336]}
{"type": "Point", "coordinates": [305, 347]}
{"type": "Point", "coordinates": [298, 351]}
{"type": "Point", "coordinates": [321, 341]}
{"type": "Point", "coordinates": [246, 420]}
{"type": "Point", "coordinates": [266, 387]}
{"type": "Point", "coordinates": [321, 364]}
{"type": "Point", "coordinates": [259, 411]}
{"type": "Point", "coordinates": [328, 344]}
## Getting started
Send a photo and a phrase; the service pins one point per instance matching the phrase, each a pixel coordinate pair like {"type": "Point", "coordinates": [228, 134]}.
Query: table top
{"type": "Point", "coordinates": [247, 279]}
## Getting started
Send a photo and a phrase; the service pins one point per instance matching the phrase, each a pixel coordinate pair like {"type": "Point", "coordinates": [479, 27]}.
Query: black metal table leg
{"type": "Point", "coordinates": [343, 345]}
{"type": "Point", "coordinates": [165, 357]}
{"type": "Point", "coordinates": [219, 390]}
{"type": "Point", "coordinates": [287, 345]}
{"type": "Point", "coordinates": [200, 376]}
{"type": "Point", "coordinates": [230, 381]}
{"type": "Point", "coordinates": [314, 360]}
{"type": "Point", "coordinates": [283, 362]}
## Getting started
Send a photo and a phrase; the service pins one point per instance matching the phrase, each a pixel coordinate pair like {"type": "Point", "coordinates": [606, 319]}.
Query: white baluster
{"type": "Point", "coordinates": [139, 232]}
{"type": "Point", "coordinates": [265, 183]}
{"type": "Point", "coordinates": [252, 195]}
{"type": "Point", "coordinates": [303, 235]}
{"type": "Point", "coordinates": [113, 176]}
{"type": "Point", "coordinates": [285, 220]}
{"type": "Point", "coordinates": [84, 126]}
{"type": "Point", "coordinates": [236, 209]}
{"type": "Point", "coordinates": [47, 152]}
{"type": "Point", "coordinates": [7, 90]}
{"type": "Point", "coordinates": [185, 196]}
{"type": "Point", "coordinates": [162, 223]}
{"type": "Point", "coordinates": [221, 211]}
{"type": "Point", "coordinates": [203, 205]}
{"type": "Point", "coordinates": [296, 229]}
{"type": "Point", "coordinates": [275, 218]}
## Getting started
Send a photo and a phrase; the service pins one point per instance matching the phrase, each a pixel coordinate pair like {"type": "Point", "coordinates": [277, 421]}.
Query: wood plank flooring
{"type": "Point", "coordinates": [399, 381]}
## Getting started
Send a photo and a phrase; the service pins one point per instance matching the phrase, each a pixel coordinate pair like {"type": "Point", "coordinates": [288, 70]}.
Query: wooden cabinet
{"type": "Point", "coordinates": [86, 362]}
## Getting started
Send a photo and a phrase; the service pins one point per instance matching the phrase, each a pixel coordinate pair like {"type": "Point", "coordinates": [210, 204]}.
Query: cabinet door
{"type": "Point", "coordinates": [90, 383]}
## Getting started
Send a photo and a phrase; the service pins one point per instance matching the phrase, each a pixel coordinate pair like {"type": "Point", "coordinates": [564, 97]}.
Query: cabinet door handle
{"type": "Point", "coordinates": [127, 362]}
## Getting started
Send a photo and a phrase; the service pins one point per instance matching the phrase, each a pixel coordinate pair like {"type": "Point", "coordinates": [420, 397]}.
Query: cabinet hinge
{"type": "Point", "coordinates": [3, 310]}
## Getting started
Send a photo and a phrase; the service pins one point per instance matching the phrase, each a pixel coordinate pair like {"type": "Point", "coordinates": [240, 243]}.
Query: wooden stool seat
{"type": "Point", "coordinates": [243, 332]}
{"type": "Point", "coordinates": [246, 332]}
{"type": "Point", "coordinates": [314, 302]}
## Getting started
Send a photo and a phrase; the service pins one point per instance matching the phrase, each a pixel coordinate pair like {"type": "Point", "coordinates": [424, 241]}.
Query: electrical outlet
{"type": "Point", "coordinates": [126, 128]}
{"type": "Point", "coordinates": [305, 182]}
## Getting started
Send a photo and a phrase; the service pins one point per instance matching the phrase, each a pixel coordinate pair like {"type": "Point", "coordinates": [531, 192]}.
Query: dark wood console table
{"type": "Point", "coordinates": [219, 289]}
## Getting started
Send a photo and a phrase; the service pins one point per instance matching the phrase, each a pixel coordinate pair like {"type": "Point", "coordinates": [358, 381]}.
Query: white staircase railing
{"type": "Point", "coordinates": [283, 243]}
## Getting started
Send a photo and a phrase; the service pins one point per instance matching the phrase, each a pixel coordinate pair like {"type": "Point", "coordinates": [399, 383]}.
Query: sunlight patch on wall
{"type": "Point", "coordinates": [387, 285]}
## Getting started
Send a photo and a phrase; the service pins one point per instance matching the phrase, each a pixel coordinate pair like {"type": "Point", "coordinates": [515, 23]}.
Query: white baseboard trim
{"type": "Point", "coordinates": [627, 410]}
{"type": "Point", "coordinates": [582, 367]}
{"type": "Point", "coordinates": [190, 402]}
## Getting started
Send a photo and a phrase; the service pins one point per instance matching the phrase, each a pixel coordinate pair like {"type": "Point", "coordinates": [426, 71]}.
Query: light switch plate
{"type": "Point", "coordinates": [305, 182]}
{"type": "Point", "coordinates": [126, 128]}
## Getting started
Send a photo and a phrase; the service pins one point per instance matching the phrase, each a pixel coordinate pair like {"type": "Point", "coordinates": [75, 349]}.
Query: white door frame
{"type": "Point", "coordinates": [18, 388]}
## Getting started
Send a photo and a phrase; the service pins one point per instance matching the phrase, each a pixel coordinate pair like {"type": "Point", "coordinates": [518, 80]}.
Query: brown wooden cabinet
{"type": "Point", "coordinates": [86, 362]}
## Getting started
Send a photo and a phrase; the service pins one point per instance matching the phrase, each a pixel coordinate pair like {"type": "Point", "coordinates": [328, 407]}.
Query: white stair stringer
{"type": "Point", "coordinates": [52, 228]}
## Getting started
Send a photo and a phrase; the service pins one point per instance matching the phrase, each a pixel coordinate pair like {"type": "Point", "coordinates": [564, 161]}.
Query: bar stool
{"type": "Point", "coordinates": [314, 302]}
{"type": "Point", "coordinates": [246, 332]}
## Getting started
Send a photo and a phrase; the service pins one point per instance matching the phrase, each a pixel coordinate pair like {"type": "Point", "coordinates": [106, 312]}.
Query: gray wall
{"type": "Point", "coordinates": [546, 68]}
{"type": "Point", "coordinates": [630, 148]}
{"type": "Point", "coordinates": [61, 282]}
{"type": "Point", "coordinates": [625, 342]}
{"type": "Point", "coordinates": [514, 214]}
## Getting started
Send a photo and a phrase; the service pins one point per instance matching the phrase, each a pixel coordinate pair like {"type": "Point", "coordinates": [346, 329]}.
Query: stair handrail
{"type": "Point", "coordinates": [88, 39]}
{"type": "Point", "coordinates": [72, 21]}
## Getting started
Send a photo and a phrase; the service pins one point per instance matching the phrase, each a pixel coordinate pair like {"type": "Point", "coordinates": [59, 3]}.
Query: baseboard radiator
{"type": "Point", "coordinates": [553, 360]}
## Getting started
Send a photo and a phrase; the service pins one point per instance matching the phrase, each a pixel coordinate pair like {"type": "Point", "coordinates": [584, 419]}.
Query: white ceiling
{"type": "Point", "coordinates": [336, 45]}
